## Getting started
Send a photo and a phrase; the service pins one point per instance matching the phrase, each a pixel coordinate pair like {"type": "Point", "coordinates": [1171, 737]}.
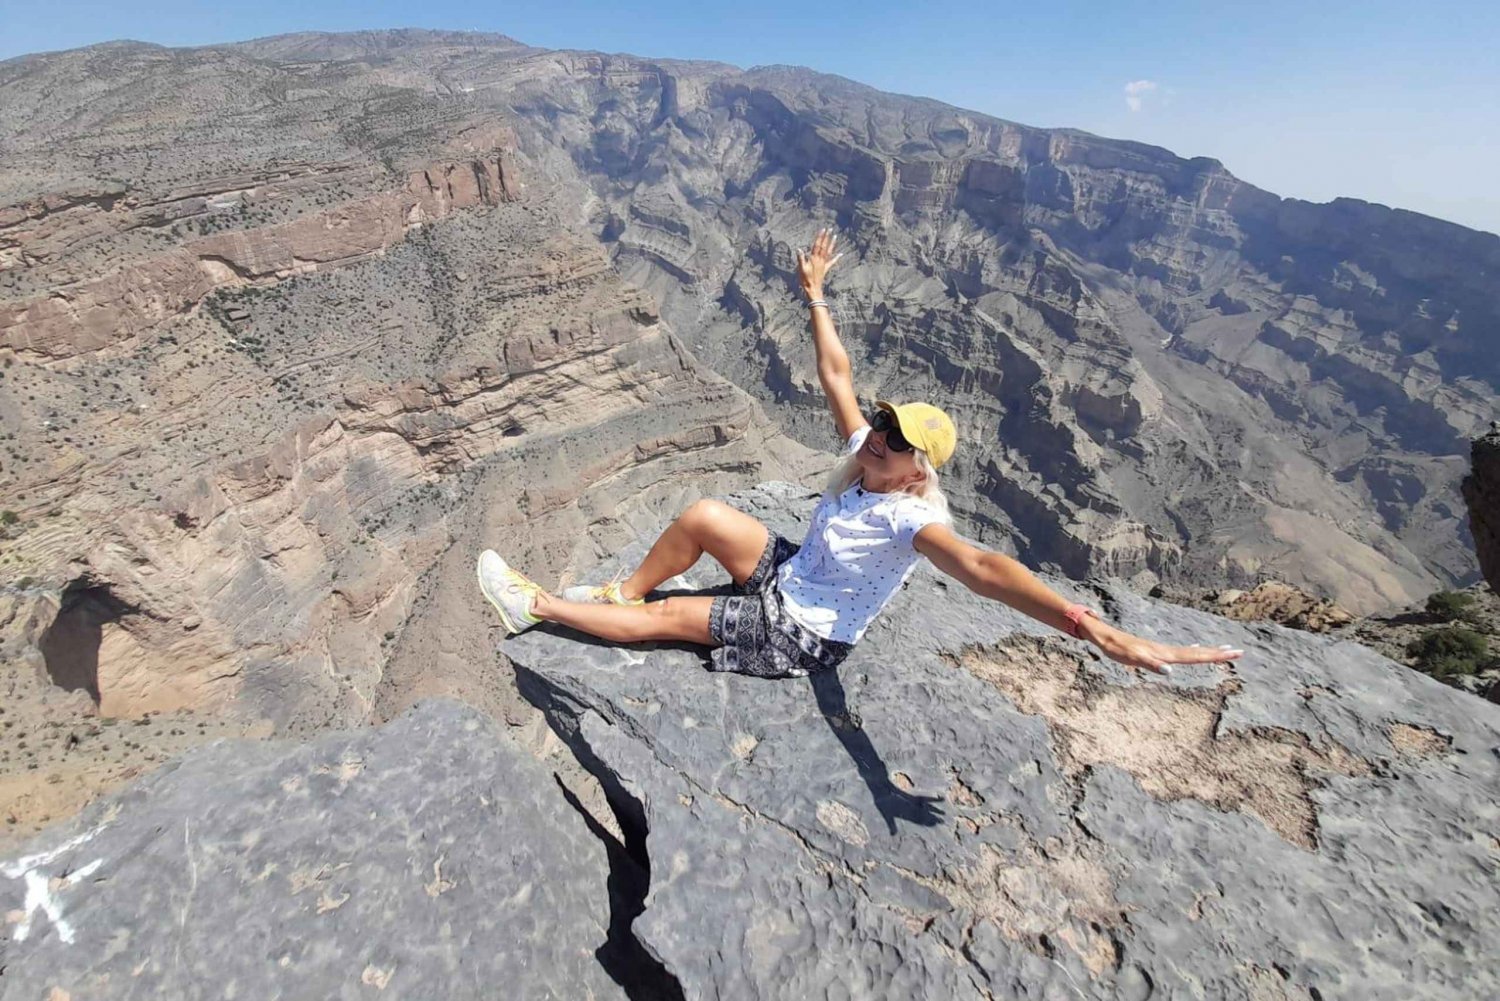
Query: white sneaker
{"type": "Point", "coordinates": [600, 594]}
{"type": "Point", "coordinates": [510, 591]}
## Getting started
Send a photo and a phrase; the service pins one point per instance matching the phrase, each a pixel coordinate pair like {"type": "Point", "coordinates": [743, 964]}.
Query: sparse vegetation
{"type": "Point", "coordinates": [1449, 652]}
{"type": "Point", "coordinates": [1450, 606]}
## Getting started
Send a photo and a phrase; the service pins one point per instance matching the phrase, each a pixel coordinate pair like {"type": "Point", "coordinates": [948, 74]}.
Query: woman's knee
{"type": "Point", "coordinates": [704, 515]}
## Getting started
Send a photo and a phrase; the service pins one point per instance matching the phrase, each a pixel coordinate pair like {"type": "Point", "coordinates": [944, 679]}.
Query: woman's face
{"type": "Point", "coordinates": [884, 466]}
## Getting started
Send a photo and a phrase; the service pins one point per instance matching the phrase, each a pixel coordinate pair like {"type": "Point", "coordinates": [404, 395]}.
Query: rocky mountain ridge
{"type": "Point", "coordinates": [1157, 369]}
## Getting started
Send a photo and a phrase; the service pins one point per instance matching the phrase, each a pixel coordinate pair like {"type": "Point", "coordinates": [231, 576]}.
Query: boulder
{"type": "Point", "coordinates": [973, 806]}
{"type": "Point", "coordinates": [429, 858]}
{"type": "Point", "coordinates": [1284, 604]}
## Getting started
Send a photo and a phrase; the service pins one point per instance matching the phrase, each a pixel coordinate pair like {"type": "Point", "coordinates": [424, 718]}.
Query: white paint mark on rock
{"type": "Point", "coordinates": [42, 889]}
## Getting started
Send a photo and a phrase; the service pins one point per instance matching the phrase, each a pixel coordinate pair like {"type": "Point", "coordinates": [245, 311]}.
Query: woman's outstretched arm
{"type": "Point", "coordinates": [995, 575]}
{"type": "Point", "coordinates": [834, 370]}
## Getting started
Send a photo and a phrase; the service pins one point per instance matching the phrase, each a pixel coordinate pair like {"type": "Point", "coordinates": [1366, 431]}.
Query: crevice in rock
{"type": "Point", "coordinates": [642, 975]}
{"type": "Point", "coordinates": [623, 956]}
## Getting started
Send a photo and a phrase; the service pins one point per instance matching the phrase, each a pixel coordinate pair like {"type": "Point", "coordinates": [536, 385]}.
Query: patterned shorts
{"type": "Point", "coordinates": [758, 636]}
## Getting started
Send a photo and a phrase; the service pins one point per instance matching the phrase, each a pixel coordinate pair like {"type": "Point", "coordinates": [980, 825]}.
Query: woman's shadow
{"type": "Point", "coordinates": [893, 802]}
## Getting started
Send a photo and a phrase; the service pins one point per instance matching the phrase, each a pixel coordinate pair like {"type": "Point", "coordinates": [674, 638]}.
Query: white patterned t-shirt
{"type": "Point", "coordinates": [858, 552]}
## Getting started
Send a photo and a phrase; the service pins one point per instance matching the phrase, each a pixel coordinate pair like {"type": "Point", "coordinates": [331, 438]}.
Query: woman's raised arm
{"type": "Point", "coordinates": [834, 370]}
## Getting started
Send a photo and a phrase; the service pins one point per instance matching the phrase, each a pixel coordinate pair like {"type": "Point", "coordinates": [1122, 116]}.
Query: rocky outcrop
{"type": "Point", "coordinates": [975, 807]}
{"type": "Point", "coordinates": [429, 857]}
{"type": "Point", "coordinates": [1482, 494]}
{"type": "Point", "coordinates": [1270, 601]}
{"type": "Point", "coordinates": [972, 806]}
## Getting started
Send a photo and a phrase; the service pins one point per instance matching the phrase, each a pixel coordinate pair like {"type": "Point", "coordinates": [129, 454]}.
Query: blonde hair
{"type": "Point", "coordinates": [927, 489]}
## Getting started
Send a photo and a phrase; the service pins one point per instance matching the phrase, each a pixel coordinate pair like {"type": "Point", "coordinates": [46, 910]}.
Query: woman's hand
{"type": "Point", "coordinates": [813, 265]}
{"type": "Point", "coordinates": [1133, 651]}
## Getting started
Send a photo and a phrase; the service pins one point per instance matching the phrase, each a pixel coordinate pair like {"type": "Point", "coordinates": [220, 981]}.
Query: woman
{"type": "Point", "coordinates": [799, 609]}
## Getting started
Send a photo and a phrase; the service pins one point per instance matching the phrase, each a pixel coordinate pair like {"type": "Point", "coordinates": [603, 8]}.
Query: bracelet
{"type": "Point", "coordinates": [1074, 614]}
{"type": "Point", "coordinates": [819, 302]}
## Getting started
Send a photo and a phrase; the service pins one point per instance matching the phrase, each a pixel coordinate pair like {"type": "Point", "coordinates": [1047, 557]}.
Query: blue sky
{"type": "Point", "coordinates": [1397, 103]}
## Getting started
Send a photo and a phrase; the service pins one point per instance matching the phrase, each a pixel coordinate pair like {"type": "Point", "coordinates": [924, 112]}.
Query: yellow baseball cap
{"type": "Point", "coordinates": [926, 427]}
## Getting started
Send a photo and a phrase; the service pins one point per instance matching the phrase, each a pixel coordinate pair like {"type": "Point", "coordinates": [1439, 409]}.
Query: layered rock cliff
{"type": "Point", "coordinates": [1156, 368]}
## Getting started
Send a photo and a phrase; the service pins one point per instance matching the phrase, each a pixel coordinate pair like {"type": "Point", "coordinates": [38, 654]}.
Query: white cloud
{"type": "Point", "coordinates": [1136, 91]}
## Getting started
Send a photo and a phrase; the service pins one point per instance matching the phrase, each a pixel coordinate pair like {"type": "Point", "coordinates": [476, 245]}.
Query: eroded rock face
{"type": "Point", "coordinates": [429, 857]}
{"type": "Point", "coordinates": [1482, 493]}
{"type": "Point", "coordinates": [975, 807]}
{"type": "Point", "coordinates": [143, 295]}
{"type": "Point", "coordinates": [265, 396]}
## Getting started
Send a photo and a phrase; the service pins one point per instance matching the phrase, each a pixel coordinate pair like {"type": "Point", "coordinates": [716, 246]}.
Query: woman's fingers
{"type": "Point", "coordinates": [823, 243]}
{"type": "Point", "coordinates": [1202, 655]}
{"type": "Point", "coordinates": [1158, 657]}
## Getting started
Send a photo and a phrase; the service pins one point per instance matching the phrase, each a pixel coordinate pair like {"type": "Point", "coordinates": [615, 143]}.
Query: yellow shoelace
{"type": "Point", "coordinates": [613, 587]}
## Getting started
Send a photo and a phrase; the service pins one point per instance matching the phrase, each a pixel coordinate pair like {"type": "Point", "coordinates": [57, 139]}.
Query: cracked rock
{"type": "Point", "coordinates": [1011, 817]}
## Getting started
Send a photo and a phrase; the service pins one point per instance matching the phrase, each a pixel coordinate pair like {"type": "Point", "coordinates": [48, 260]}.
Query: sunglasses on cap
{"type": "Point", "coordinates": [894, 440]}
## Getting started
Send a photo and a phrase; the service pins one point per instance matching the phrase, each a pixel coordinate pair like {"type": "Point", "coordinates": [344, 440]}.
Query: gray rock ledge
{"type": "Point", "coordinates": [429, 858]}
{"type": "Point", "coordinates": [977, 808]}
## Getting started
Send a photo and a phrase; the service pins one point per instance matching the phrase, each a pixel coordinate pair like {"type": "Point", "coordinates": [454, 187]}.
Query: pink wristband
{"type": "Point", "coordinates": [1074, 614]}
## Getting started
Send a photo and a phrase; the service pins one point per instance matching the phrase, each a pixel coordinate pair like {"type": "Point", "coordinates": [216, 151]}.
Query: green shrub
{"type": "Point", "coordinates": [9, 517]}
{"type": "Point", "coordinates": [1449, 605]}
{"type": "Point", "coordinates": [1449, 651]}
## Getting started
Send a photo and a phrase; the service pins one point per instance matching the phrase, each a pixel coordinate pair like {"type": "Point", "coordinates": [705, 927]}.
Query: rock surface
{"type": "Point", "coordinates": [1482, 493]}
{"type": "Point", "coordinates": [428, 858]}
{"type": "Point", "coordinates": [972, 808]}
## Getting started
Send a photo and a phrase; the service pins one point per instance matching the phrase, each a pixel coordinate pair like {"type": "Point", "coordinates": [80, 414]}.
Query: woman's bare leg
{"type": "Point", "coordinates": [732, 537]}
{"type": "Point", "coordinates": [679, 618]}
